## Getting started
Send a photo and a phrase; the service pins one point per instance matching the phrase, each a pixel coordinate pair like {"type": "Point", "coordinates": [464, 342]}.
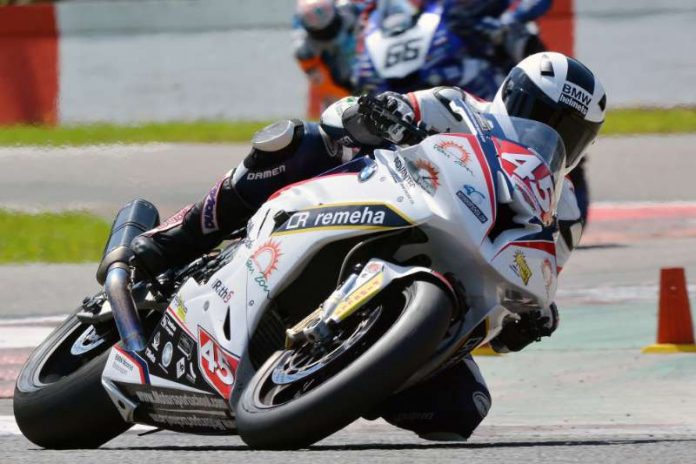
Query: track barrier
{"type": "Point", "coordinates": [675, 331]}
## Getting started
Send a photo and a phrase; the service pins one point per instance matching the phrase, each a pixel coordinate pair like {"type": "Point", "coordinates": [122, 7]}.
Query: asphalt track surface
{"type": "Point", "coordinates": [100, 179]}
{"type": "Point", "coordinates": [584, 395]}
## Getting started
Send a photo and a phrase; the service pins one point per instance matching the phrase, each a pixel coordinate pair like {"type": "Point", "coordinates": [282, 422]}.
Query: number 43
{"type": "Point", "coordinates": [217, 362]}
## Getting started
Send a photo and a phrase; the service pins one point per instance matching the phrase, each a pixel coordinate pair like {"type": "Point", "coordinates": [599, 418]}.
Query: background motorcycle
{"type": "Point", "coordinates": [403, 48]}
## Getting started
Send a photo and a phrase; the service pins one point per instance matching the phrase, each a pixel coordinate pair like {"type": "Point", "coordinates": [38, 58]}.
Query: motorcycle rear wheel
{"type": "Point", "coordinates": [294, 401]}
{"type": "Point", "coordinates": [59, 401]}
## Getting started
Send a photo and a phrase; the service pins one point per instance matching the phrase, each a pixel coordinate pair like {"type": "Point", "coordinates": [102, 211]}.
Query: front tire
{"type": "Point", "coordinates": [59, 401]}
{"type": "Point", "coordinates": [418, 322]}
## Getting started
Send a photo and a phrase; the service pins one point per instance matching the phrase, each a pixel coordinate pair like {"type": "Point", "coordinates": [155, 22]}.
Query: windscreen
{"type": "Point", "coordinates": [534, 135]}
{"type": "Point", "coordinates": [397, 15]}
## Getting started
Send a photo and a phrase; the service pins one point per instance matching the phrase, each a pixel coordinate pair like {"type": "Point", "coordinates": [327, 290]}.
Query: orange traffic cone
{"type": "Point", "coordinates": [675, 331]}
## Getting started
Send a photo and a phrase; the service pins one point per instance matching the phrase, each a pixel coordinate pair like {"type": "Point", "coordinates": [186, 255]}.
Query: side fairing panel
{"type": "Point", "coordinates": [531, 265]}
{"type": "Point", "coordinates": [455, 166]}
{"type": "Point", "coordinates": [282, 237]}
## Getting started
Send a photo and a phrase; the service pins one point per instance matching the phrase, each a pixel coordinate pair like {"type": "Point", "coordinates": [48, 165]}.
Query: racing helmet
{"type": "Point", "coordinates": [559, 91]}
{"type": "Point", "coordinates": [317, 15]}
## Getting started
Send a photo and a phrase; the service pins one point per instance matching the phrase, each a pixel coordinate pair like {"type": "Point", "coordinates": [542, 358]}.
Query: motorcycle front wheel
{"type": "Point", "coordinates": [59, 400]}
{"type": "Point", "coordinates": [305, 394]}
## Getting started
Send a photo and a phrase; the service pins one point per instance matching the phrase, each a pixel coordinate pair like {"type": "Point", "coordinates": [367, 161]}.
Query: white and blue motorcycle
{"type": "Point", "coordinates": [342, 290]}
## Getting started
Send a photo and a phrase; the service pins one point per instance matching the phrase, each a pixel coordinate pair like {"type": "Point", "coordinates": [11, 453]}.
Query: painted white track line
{"type": "Point", "coordinates": [8, 426]}
{"type": "Point", "coordinates": [116, 150]}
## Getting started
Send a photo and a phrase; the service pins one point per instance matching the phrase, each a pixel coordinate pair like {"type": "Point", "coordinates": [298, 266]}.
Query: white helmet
{"type": "Point", "coordinates": [559, 91]}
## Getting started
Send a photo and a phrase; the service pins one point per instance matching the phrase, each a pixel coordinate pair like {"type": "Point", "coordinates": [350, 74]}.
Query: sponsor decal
{"type": "Point", "coordinates": [266, 258]}
{"type": "Point", "coordinates": [366, 216]}
{"type": "Point", "coordinates": [403, 174]}
{"type": "Point", "coordinates": [222, 291]}
{"type": "Point", "coordinates": [179, 400]}
{"type": "Point", "coordinates": [192, 421]}
{"type": "Point", "coordinates": [180, 367]}
{"type": "Point", "coordinates": [358, 297]}
{"type": "Point", "coordinates": [122, 364]}
{"type": "Point", "coordinates": [456, 153]}
{"type": "Point", "coordinates": [179, 309]}
{"type": "Point", "coordinates": [167, 354]}
{"type": "Point", "coordinates": [263, 262]}
{"type": "Point", "coordinates": [150, 355]}
{"type": "Point", "coordinates": [520, 267]}
{"type": "Point", "coordinates": [476, 196]}
{"type": "Point", "coordinates": [472, 205]}
{"type": "Point", "coordinates": [156, 341]}
{"type": "Point", "coordinates": [169, 325]}
{"type": "Point", "coordinates": [427, 175]}
{"type": "Point", "coordinates": [185, 345]}
{"type": "Point", "coordinates": [267, 173]}
{"type": "Point", "coordinates": [191, 374]}
{"type": "Point", "coordinates": [575, 97]}
{"type": "Point", "coordinates": [209, 221]}
{"type": "Point", "coordinates": [401, 177]}
{"type": "Point", "coordinates": [217, 365]}
{"type": "Point", "coordinates": [130, 361]}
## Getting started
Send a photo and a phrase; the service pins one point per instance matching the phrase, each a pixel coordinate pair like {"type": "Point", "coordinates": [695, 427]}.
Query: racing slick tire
{"type": "Point", "coordinates": [417, 316]}
{"type": "Point", "coordinates": [59, 400]}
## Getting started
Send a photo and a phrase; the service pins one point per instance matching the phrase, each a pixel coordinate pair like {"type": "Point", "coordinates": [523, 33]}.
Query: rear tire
{"type": "Point", "coordinates": [339, 399]}
{"type": "Point", "coordinates": [67, 409]}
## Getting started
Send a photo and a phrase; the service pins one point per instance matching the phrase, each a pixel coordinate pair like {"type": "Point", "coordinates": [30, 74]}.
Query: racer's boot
{"type": "Point", "coordinates": [193, 231]}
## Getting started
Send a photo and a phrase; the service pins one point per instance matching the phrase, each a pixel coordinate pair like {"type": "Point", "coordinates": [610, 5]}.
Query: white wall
{"type": "Point", "coordinates": [643, 50]}
{"type": "Point", "coordinates": [158, 60]}
{"type": "Point", "coordinates": [150, 60]}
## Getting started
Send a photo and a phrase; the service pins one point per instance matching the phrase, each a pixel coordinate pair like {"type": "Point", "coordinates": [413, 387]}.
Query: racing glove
{"type": "Point", "coordinates": [387, 118]}
{"type": "Point", "coordinates": [398, 105]}
{"type": "Point", "coordinates": [528, 327]}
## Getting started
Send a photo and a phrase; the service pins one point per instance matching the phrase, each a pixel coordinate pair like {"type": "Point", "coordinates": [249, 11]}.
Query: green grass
{"type": "Point", "coordinates": [619, 122]}
{"type": "Point", "coordinates": [71, 237]}
{"type": "Point", "coordinates": [650, 121]}
{"type": "Point", "coordinates": [89, 134]}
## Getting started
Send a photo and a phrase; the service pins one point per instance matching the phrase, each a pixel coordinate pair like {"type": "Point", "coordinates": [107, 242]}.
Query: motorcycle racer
{"type": "Point", "coordinates": [501, 23]}
{"type": "Point", "coordinates": [546, 87]}
{"type": "Point", "coordinates": [323, 34]}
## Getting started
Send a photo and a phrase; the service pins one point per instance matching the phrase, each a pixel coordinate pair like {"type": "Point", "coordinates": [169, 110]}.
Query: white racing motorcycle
{"type": "Point", "coordinates": [342, 290]}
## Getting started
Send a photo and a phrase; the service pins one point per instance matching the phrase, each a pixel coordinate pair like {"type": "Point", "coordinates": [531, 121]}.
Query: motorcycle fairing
{"type": "Point", "coordinates": [417, 186]}
{"type": "Point", "coordinates": [402, 54]}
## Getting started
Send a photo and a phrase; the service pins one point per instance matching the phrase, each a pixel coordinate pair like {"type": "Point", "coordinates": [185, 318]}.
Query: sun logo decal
{"type": "Point", "coordinates": [456, 153]}
{"type": "Point", "coordinates": [266, 258]}
{"type": "Point", "coordinates": [428, 175]}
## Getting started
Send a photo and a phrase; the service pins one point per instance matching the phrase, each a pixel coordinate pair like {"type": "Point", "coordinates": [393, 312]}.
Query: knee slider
{"type": "Point", "coordinates": [273, 144]}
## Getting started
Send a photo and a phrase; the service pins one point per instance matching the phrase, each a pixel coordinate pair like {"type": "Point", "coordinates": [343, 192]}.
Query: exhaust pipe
{"type": "Point", "coordinates": [122, 305]}
{"type": "Point", "coordinates": [113, 272]}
